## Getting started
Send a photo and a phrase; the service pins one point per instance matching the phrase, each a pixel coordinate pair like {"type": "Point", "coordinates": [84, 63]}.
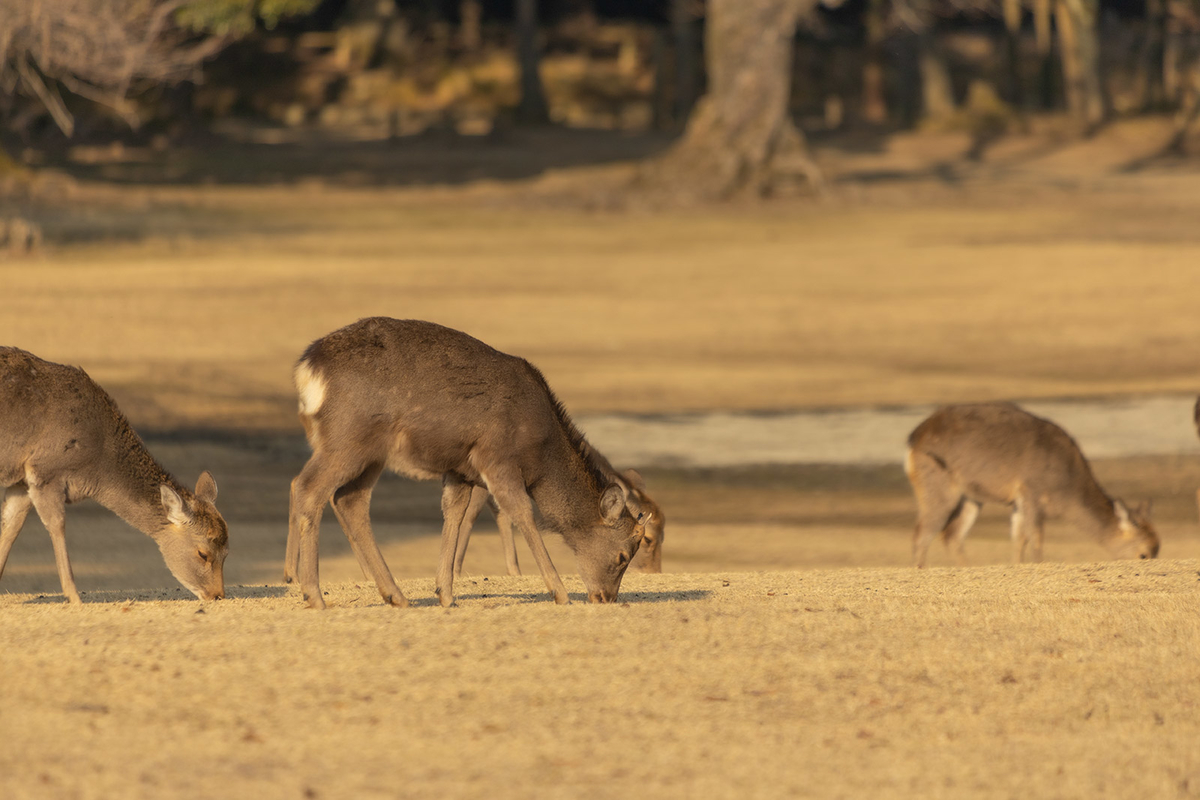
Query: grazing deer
{"type": "Point", "coordinates": [652, 524]}
{"type": "Point", "coordinates": [965, 455]}
{"type": "Point", "coordinates": [62, 439]}
{"type": "Point", "coordinates": [429, 402]}
{"type": "Point", "coordinates": [1196, 420]}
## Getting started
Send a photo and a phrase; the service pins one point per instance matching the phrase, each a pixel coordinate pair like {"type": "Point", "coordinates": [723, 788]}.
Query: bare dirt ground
{"type": "Point", "coordinates": [787, 651]}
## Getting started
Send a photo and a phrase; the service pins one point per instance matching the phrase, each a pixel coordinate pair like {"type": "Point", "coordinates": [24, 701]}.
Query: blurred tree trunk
{"type": "Point", "coordinates": [937, 92]}
{"type": "Point", "coordinates": [1152, 57]}
{"type": "Point", "coordinates": [470, 15]}
{"type": "Point", "coordinates": [1172, 58]}
{"type": "Point", "coordinates": [1077, 32]}
{"type": "Point", "coordinates": [1044, 39]}
{"type": "Point", "coordinates": [740, 138]}
{"type": "Point", "coordinates": [683, 25]}
{"type": "Point", "coordinates": [1012, 46]}
{"type": "Point", "coordinates": [874, 102]}
{"type": "Point", "coordinates": [532, 109]}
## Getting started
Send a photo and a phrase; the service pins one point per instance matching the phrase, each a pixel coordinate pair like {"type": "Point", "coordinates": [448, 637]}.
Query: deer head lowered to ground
{"type": "Point", "coordinates": [62, 439]}
{"type": "Point", "coordinates": [432, 403]}
{"type": "Point", "coordinates": [650, 519]}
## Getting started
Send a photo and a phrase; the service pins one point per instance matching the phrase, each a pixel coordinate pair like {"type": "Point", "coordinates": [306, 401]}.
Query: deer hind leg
{"type": "Point", "coordinates": [513, 501]}
{"type": "Point", "coordinates": [938, 497]}
{"type": "Point", "coordinates": [352, 506]}
{"type": "Point", "coordinates": [49, 500]}
{"type": "Point", "coordinates": [311, 490]}
{"type": "Point", "coordinates": [456, 498]}
{"type": "Point", "coordinates": [1026, 529]}
{"type": "Point", "coordinates": [13, 512]}
{"type": "Point", "coordinates": [479, 497]}
{"type": "Point", "coordinates": [960, 525]}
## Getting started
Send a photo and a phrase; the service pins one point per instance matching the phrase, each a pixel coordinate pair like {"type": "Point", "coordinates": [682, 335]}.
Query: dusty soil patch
{"type": "Point", "coordinates": [1063, 680]}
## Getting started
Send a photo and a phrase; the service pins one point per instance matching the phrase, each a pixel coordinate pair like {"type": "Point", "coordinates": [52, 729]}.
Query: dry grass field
{"type": "Point", "coordinates": [788, 650]}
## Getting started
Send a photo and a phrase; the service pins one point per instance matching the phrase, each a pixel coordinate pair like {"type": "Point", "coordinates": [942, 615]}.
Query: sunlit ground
{"type": "Point", "coordinates": [826, 667]}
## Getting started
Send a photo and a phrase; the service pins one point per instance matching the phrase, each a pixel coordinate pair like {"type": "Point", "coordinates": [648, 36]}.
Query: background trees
{"type": "Point", "coordinates": [99, 48]}
{"type": "Point", "coordinates": [766, 69]}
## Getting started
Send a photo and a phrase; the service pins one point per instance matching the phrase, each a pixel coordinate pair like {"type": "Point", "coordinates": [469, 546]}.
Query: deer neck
{"type": "Point", "coordinates": [1093, 511]}
{"type": "Point", "coordinates": [130, 481]}
{"type": "Point", "coordinates": [568, 495]}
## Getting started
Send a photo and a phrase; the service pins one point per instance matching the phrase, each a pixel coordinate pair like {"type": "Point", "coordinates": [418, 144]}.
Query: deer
{"type": "Point", "coordinates": [429, 402]}
{"type": "Point", "coordinates": [649, 555]}
{"type": "Point", "coordinates": [1196, 421]}
{"type": "Point", "coordinates": [63, 439]}
{"type": "Point", "coordinates": [965, 455]}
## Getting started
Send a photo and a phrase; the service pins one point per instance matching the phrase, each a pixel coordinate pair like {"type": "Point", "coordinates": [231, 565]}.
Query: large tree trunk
{"type": "Point", "coordinates": [532, 109]}
{"type": "Point", "coordinates": [1077, 31]}
{"type": "Point", "coordinates": [740, 138]}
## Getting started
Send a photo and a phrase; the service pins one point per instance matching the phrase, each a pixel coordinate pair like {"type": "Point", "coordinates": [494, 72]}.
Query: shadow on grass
{"type": "Point", "coordinates": [627, 598]}
{"type": "Point", "coordinates": [101, 597]}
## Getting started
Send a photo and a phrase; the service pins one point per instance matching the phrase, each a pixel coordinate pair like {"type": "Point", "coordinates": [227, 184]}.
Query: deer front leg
{"type": "Point", "coordinates": [12, 517]}
{"type": "Point", "coordinates": [1019, 532]}
{"type": "Point", "coordinates": [504, 524]}
{"type": "Point", "coordinates": [456, 499]}
{"type": "Point", "coordinates": [514, 502]}
{"type": "Point", "coordinates": [49, 501]}
{"type": "Point", "coordinates": [1036, 534]}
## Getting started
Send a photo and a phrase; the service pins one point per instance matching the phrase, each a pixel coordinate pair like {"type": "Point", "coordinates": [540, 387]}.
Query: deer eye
{"type": "Point", "coordinates": [205, 557]}
{"type": "Point", "coordinates": [622, 559]}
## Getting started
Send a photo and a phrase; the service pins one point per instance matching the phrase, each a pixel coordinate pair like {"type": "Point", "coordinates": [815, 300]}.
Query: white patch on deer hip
{"type": "Point", "coordinates": [311, 388]}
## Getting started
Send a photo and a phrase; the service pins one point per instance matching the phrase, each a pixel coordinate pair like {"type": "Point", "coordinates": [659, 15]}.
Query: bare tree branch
{"type": "Point", "coordinates": [50, 100]}
{"type": "Point", "coordinates": [96, 49]}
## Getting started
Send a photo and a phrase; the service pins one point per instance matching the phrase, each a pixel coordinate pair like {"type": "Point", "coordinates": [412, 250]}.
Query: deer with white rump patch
{"type": "Point", "coordinates": [965, 455]}
{"type": "Point", "coordinates": [432, 403]}
{"type": "Point", "coordinates": [62, 439]}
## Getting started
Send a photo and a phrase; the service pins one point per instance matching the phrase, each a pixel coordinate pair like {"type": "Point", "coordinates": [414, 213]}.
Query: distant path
{"type": "Point", "coordinates": [1155, 425]}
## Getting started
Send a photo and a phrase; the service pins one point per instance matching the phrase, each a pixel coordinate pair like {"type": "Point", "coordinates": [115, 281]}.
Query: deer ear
{"type": "Point", "coordinates": [1122, 511]}
{"type": "Point", "coordinates": [612, 503]}
{"type": "Point", "coordinates": [635, 479]}
{"type": "Point", "coordinates": [173, 505]}
{"type": "Point", "coordinates": [206, 487]}
{"type": "Point", "coordinates": [1144, 509]}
